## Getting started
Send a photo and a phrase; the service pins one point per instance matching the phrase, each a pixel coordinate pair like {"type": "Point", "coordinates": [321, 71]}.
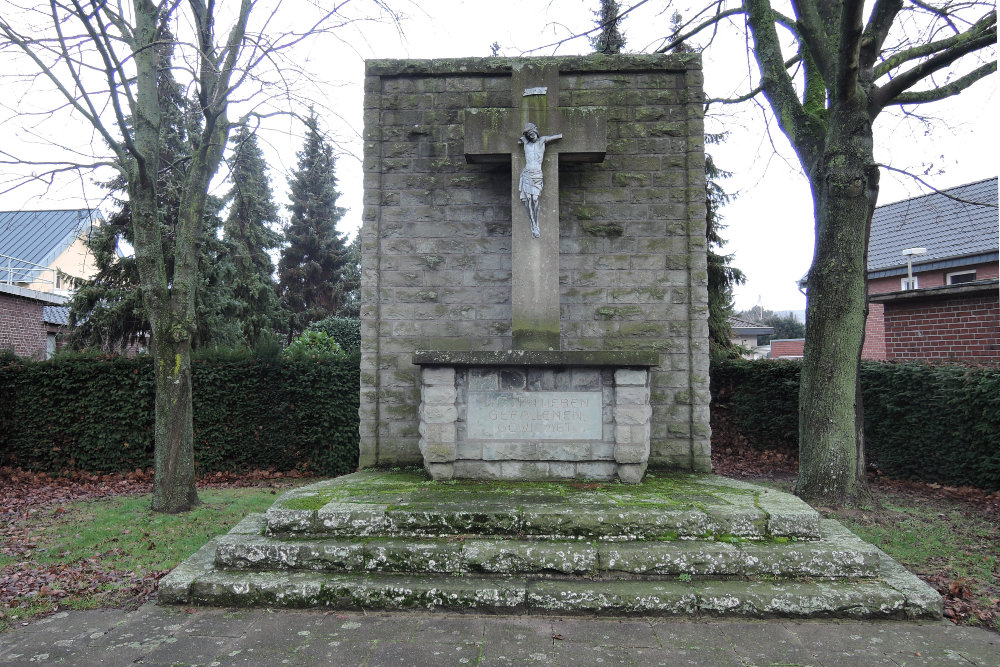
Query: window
{"type": "Point", "coordinates": [909, 283]}
{"type": "Point", "coordinates": [960, 277]}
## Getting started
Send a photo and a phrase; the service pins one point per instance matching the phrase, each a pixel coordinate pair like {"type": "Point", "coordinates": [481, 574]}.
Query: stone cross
{"type": "Point", "coordinates": [491, 135]}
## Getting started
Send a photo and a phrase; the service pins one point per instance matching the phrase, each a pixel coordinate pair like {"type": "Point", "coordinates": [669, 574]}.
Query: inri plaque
{"type": "Point", "coordinates": [534, 415]}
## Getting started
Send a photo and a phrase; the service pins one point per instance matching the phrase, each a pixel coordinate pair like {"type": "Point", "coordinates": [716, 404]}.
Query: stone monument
{"type": "Point", "coordinates": [534, 307]}
{"type": "Point", "coordinates": [546, 319]}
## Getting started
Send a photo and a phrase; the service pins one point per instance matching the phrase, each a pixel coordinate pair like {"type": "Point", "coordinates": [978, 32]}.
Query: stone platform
{"type": "Point", "coordinates": [682, 544]}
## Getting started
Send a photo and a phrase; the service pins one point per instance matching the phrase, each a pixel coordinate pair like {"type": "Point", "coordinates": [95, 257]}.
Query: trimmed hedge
{"type": "Point", "coordinates": [345, 330]}
{"type": "Point", "coordinates": [96, 413]}
{"type": "Point", "coordinates": [931, 423]}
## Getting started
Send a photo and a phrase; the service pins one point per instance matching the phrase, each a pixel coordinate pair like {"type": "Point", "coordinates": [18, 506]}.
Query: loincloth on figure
{"type": "Point", "coordinates": [531, 183]}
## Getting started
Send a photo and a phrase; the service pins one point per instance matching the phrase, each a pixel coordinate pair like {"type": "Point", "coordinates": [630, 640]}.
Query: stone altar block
{"type": "Point", "coordinates": [543, 326]}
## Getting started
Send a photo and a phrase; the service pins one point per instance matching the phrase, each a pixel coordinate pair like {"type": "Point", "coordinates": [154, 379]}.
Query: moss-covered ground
{"type": "Point", "coordinates": [414, 488]}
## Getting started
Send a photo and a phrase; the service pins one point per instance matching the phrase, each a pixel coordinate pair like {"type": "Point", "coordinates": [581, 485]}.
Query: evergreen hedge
{"type": "Point", "coordinates": [345, 330]}
{"type": "Point", "coordinates": [96, 414]}
{"type": "Point", "coordinates": [924, 422]}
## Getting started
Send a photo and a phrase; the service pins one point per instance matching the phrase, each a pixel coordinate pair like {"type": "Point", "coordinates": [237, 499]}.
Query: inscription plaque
{"type": "Point", "coordinates": [534, 415]}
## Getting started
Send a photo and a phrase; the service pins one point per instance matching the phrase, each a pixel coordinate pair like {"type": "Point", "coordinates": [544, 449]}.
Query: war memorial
{"type": "Point", "coordinates": [534, 420]}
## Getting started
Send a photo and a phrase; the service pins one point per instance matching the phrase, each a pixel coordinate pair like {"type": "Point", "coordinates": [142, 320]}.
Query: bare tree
{"type": "Point", "coordinates": [827, 73]}
{"type": "Point", "coordinates": [103, 59]}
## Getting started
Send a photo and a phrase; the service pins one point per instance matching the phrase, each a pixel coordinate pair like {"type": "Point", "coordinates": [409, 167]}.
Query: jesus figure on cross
{"type": "Point", "coordinates": [530, 185]}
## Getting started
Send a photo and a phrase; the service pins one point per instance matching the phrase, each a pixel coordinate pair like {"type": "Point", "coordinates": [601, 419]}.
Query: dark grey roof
{"type": "Point", "coordinates": [747, 327]}
{"type": "Point", "coordinates": [38, 237]}
{"type": "Point", "coordinates": [947, 228]}
{"type": "Point", "coordinates": [58, 315]}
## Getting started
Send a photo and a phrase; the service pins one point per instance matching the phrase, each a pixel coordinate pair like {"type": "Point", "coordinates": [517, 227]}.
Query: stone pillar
{"type": "Point", "coordinates": [632, 413]}
{"type": "Point", "coordinates": [438, 414]}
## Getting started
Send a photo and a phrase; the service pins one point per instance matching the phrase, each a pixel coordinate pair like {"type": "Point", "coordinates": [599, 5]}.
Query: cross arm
{"type": "Point", "coordinates": [491, 135]}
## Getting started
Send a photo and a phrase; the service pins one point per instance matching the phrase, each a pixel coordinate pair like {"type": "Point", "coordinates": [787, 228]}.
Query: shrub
{"type": "Point", "coordinates": [96, 413]}
{"type": "Point", "coordinates": [932, 423]}
{"type": "Point", "coordinates": [314, 345]}
{"type": "Point", "coordinates": [345, 330]}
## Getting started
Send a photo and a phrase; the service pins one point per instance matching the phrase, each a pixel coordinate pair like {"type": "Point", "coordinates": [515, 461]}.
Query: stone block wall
{"type": "Point", "coordinates": [527, 443]}
{"type": "Point", "coordinates": [436, 238]}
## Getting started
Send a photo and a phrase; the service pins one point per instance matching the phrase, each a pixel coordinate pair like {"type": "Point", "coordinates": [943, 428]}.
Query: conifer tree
{"type": "Point", "coordinates": [722, 275]}
{"type": "Point", "coordinates": [610, 39]}
{"type": "Point", "coordinates": [249, 235]}
{"type": "Point", "coordinates": [312, 263]}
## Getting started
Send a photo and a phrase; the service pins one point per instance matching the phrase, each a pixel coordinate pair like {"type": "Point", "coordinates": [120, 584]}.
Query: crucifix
{"type": "Point", "coordinates": [534, 135]}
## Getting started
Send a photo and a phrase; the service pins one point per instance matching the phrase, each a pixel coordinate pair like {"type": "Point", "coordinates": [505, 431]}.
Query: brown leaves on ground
{"type": "Point", "coordinates": [25, 494]}
{"type": "Point", "coordinates": [25, 582]}
{"type": "Point", "coordinates": [959, 604]}
{"type": "Point", "coordinates": [740, 460]}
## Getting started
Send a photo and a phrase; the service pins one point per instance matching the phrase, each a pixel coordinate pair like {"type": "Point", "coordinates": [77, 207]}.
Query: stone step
{"type": "Point", "coordinates": [404, 504]}
{"type": "Point", "coordinates": [895, 594]}
{"type": "Point", "coordinates": [838, 554]}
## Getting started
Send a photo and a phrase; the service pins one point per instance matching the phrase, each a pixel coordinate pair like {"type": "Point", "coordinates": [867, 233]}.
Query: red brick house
{"type": "Point", "coordinates": [947, 306]}
{"type": "Point", "coordinates": [30, 321]}
{"type": "Point", "coordinates": [43, 256]}
{"type": "Point", "coordinates": [787, 348]}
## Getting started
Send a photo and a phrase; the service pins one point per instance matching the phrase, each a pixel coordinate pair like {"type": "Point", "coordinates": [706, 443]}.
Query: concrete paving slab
{"type": "Point", "coordinates": [191, 650]}
{"type": "Point", "coordinates": [681, 634]}
{"type": "Point", "coordinates": [675, 657]}
{"type": "Point", "coordinates": [517, 641]}
{"type": "Point", "coordinates": [410, 654]}
{"type": "Point", "coordinates": [451, 630]}
{"type": "Point", "coordinates": [614, 633]}
{"type": "Point", "coordinates": [155, 635]}
{"type": "Point", "coordinates": [334, 652]}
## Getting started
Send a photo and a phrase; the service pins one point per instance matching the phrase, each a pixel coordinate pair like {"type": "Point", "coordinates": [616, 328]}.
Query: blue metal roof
{"type": "Point", "coordinates": [38, 237]}
{"type": "Point", "coordinates": [948, 228]}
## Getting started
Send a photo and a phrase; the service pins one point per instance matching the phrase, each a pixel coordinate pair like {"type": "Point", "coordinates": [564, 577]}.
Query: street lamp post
{"type": "Point", "coordinates": [909, 253]}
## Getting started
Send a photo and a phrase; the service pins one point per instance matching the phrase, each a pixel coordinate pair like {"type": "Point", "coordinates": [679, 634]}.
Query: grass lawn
{"type": "Point", "coordinates": [948, 543]}
{"type": "Point", "coordinates": [108, 552]}
{"type": "Point", "coordinates": [954, 545]}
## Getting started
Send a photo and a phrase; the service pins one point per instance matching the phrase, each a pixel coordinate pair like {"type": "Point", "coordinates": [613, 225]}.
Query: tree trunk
{"type": "Point", "coordinates": [174, 480]}
{"type": "Point", "coordinates": [831, 437]}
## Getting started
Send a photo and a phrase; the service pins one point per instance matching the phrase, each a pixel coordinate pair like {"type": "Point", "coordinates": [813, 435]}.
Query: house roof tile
{"type": "Point", "coordinates": [947, 227]}
{"type": "Point", "coordinates": [737, 324]}
{"type": "Point", "coordinates": [58, 315]}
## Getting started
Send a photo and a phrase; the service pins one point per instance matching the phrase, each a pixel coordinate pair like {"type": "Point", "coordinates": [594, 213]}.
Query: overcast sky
{"type": "Point", "coordinates": [770, 224]}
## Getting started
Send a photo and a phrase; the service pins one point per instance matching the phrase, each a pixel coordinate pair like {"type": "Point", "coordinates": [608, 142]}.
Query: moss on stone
{"type": "Point", "coordinates": [617, 312]}
{"type": "Point", "coordinates": [606, 229]}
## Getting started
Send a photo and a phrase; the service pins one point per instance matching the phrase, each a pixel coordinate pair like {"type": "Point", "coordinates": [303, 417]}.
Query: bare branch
{"type": "Point", "coordinates": [707, 23]}
{"type": "Point", "coordinates": [753, 93]}
{"type": "Point", "coordinates": [981, 35]}
{"type": "Point", "coordinates": [984, 24]}
{"type": "Point", "coordinates": [986, 204]}
{"type": "Point", "coordinates": [777, 84]}
{"type": "Point", "coordinates": [883, 15]}
{"type": "Point", "coordinates": [849, 51]}
{"type": "Point", "coordinates": [112, 66]}
{"type": "Point", "coordinates": [559, 43]}
{"type": "Point", "coordinates": [941, 13]}
{"type": "Point", "coordinates": [947, 90]}
{"type": "Point", "coordinates": [81, 104]}
{"type": "Point", "coordinates": [815, 37]}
